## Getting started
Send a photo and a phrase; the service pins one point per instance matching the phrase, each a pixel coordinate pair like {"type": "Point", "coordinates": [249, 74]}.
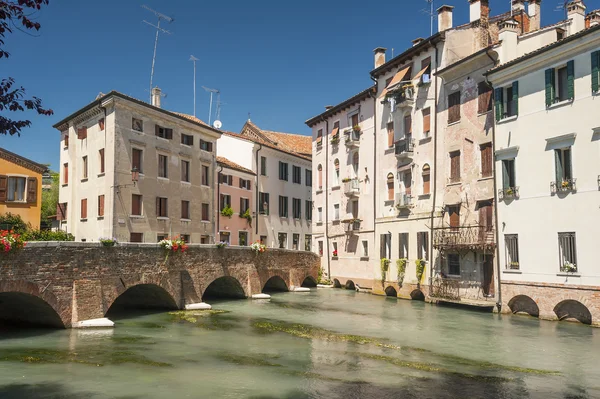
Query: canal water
{"type": "Point", "coordinates": [323, 344]}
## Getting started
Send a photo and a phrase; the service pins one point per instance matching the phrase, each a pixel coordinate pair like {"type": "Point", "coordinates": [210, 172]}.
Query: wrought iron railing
{"type": "Point", "coordinates": [508, 193]}
{"type": "Point", "coordinates": [445, 288]}
{"type": "Point", "coordinates": [464, 237]}
{"type": "Point", "coordinates": [403, 200]}
{"type": "Point", "coordinates": [352, 138]}
{"type": "Point", "coordinates": [352, 187]}
{"type": "Point", "coordinates": [564, 185]}
{"type": "Point", "coordinates": [404, 146]}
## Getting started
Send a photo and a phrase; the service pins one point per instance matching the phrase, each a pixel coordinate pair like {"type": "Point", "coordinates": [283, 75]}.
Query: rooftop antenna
{"type": "Point", "coordinates": [194, 59]}
{"type": "Point", "coordinates": [211, 91]}
{"type": "Point", "coordinates": [431, 14]}
{"type": "Point", "coordinates": [219, 103]}
{"type": "Point", "coordinates": [158, 30]}
{"type": "Point", "coordinates": [562, 6]}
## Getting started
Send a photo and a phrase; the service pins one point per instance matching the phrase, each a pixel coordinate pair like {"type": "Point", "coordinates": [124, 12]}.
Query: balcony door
{"type": "Point", "coordinates": [407, 182]}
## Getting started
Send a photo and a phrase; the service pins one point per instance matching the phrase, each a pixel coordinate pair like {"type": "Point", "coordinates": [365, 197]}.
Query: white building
{"type": "Point", "coordinates": [117, 139]}
{"type": "Point", "coordinates": [283, 206]}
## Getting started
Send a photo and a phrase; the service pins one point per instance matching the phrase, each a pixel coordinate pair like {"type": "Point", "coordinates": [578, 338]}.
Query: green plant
{"type": "Point", "coordinates": [227, 211]}
{"type": "Point", "coordinates": [401, 266]}
{"type": "Point", "coordinates": [50, 199]}
{"type": "Point", "coordinates": [47, 235]}
{"type": "Point", "coordinates": [320, 279]}
{"type": "Point", "coordinates": [420, 269]}
{"type": "Point", "coordinates": [108, 242]}
{"type": "Point", "coordinates": [10, 221]}
{"type": "Point", "coordinates": [385, 265]}
{"type": "Point", "coordinates": [356, 128]}
{"type": "Point", "coordinates": [246, 215]}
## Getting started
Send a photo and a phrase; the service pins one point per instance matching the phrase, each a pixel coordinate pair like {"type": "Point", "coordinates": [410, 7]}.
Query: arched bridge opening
{"type": "Point", "coordinates": [142, 297]}
{"type": "Point", "coordinates": [524, 304]}
{"type": "Point", "coordinates": [391, 291]}
{"type": "Point", "coordinates": [26, 310]}
{"type": "Point", "coordinates": [275, 284]}
{"type": "Point", "coordinates": [224, 287]}
{"type": "Point", "coordinates": [309, 282]}
{"type": "Point", "coordinates": [572, 310]}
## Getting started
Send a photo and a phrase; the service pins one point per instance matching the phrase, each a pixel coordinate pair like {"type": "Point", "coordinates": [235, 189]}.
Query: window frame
{"type": "Point", "coordinates": [186, 205]}
{"type": "Point", "coordinates": [511, 251]}
{"type": "Point", "coordinates": [162, 173]}
{"type": "Point", "coordinates": [185, 172]}
{"type": "Point", "coordinates": [449, 264]}
{"type": "Point", "coordinates": [162, 207]}
{"type": "Point", "coordinates": [454, 100]}
{"type": "Point", "coordinates": [141, 202]}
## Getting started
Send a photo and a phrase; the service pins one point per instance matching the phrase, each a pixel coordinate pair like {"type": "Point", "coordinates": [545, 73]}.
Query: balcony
{"type": "Point", "coordinates": [352, 138]}
{"type": "Point", "coordinates": [403, 96]}
{"type": "Point", "coordinates": [468, 238]}
{"type": "Point", "coordinates": [403, 201]}
{"type": "Point", "coordinates": [351, 187]}
{"type": "Point", "coordinates": [404, 148]}
{"type": "Point", "coordinates": [508, 193]}
{"type": "Point", "coordinates": [564, 186]}
{"type": "Point", "coordinates": [353, 225]}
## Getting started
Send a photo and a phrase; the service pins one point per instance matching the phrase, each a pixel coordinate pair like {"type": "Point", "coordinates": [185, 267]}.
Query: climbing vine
{"type": "Point", "coordinates": [420, 269]}
{"type": "Point", "coordinates": [401, 266]}
{"type": "Point", "coordinates": [385, 265]}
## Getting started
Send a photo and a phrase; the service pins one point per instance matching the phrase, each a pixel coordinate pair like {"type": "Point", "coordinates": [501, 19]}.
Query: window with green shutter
{"type": "Point", "coordinates": [507, 101]}
{"type": "Point", "coordinates": [571, 80]}
{"type": "Point", "coordinates": [549, 73]}
{"type": "Point", "coordinates": [499, 103]}
{"type": "Point", "coordinates": [560, 83]}
{"type": "Point", "coordinates": [595, 70]}
{"type": "Point", "coordinates": [515, 96]}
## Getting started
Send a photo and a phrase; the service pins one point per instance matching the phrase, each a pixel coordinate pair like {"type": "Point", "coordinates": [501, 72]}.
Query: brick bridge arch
{"type": "Point", "coordinates": [29, 302]}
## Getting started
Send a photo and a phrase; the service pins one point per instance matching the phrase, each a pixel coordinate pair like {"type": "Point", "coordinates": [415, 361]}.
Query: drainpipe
{"type": "Point", "coordinates": [256, 204]}
{"type": "Point", "coordinates": [374, 96]}
{"type": "Point", "coordinates": [218, 200]}
{"type": "Point", "coordinates": [435, 139]}
{"type": "Point", "coordinates": [112, 217]}
{"type": "Point", "coordinates": [326, 196]}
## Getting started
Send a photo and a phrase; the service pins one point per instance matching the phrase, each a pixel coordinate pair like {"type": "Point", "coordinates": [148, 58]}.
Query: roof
{"type": "Point", "coordinates": [464, 60]}
{"type": "Point", "coordinates": [113, 93]}
{"type": "Point", "coordinates": [232, 165]}
{"type": "Point", "coordinates": [293, 144]}
{"type": "Point", "coordinates": [22, 161]}
{"type": "Point", "coordinates": [544, 49]}
{"type": "Point", "coordinates": [344, 104]}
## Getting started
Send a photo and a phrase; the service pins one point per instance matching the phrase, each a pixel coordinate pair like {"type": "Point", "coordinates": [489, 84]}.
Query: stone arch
{"type": "Point", "coordinates": [24, 302]}
{"type": "Point", "coordinates": [391, 291]}
{"type": "Point", "coordinates": [572, 309]}
{"type": "Point", "coordinates": [309, 281]}
{"type": "Point", "coordinates": [350, 285]}
{"type": "Point", "coordinates": [524, 304]}
{"type": "Point", "coordinates": [143, 296]}
{"type": "Point", "coordinates": [336, 283]}
{"type": "Point", "coordinates": [275, 283]}
{"type": "Point", "coordinates": [417, 295]}
{"type": "Point", "coordinates": [120, 285]}
{"type": "Point", "coordinates": [224, 287]}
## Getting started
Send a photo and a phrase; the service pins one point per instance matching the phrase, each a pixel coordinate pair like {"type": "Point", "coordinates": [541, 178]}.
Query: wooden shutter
{"type": "Point", "coordinates": [32, 189]}
{"type": "Point", "coordinates": [102, 160]}
{"type": "Point", "coordinates": [157, 206]}
{"type": "Point", "coordinates": [390, 187]}
{"type": "Point", "coordinates": [230, 180]}
{"type": "Point", "coordinates": [3, 188]}
{"type": "Point", "coordinates": [401, 245]}
{"type": "Point", "coordinates": [66, 141]}
{"type": "Point", "coordinates": [595, 70]}
{"type": "Point", "coordinates": [407, 125]}
{"type": "Point", "coordinates": [60, 213]}
{"type": "Point", "coordinates": [426, 120]}
{"type": "Point", "coordinates": [455, 165]}
{"type": "Point", "coordinates": [454, 107]}
{"type": "Point", "coordinates": [408, 183]}
{"type": "Point", "coordinates": [84, 208]}
{"type": "Point", "coordinates": [485, 97]}
{"type": "Point", "coordinates": [571, 79]}
{"type": "Point", "coordinates": [489, 216]}
{"type": "Point", "coordinates": [135, 159]}
{"type": "Point", "coordinates": [499, 103]}
{"type": "Point", "coordinates": [419, 245]}
{"type": "Point", "coordinates": [425, 243]}
{"type": "Point", "coordinates": [426, 183]}
{"type": "Point", "coordinates": [454, 216]}
{"type": "Point", "coordinates": [549, 74]}
{"type": "Point", "coordinates": [156, 130]}
{"type": "Point", "coordinates": [169, 133]}
{"type": "Point", "coordinates": [486, 160]}
{"type": "Point", "coordinates": [354, 120]}
{"type": "Point", "coordinates": [101, 124]}
{"type": "Point", "coordinates": [320, 176]}
{"type": "Point", "coordinates": [101, 205]}
{"type": "Point", "coordinates": [66, 173]}
{"type": "Point", "coordinates": [390, 132]}
{"type": "Point", "coordinates": [82, 133]}
{"type": "Point", "coordinates": [515, 97]}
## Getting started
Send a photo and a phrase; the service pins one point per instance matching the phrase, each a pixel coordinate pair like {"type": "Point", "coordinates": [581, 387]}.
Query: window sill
{"type": "Point", "coordinates": [560, 104]}
{"type": "Point", "coordinates": [390, 150]}
{"type": "Point", "coordinates": [425, 139]}
{"type": "Point", "coordinates": [364, 258]}
{"type": "Point", "coordinates": [512, 271]}
{"type": "Point", "coordinates": [101, 174]}
{"type": "Point", "coordinates": [454, 276]}
{"type": "Point", "coordinates": [508, 119]}
{"type": "Point", "coordinates": [456, 183]}
{"type": "Point", "coordinates": [186, 145]}
{"type": "Point", "coordinates": [136, 216]}
{"type": "Point", "coordinates": [319, 191]}
{"type": "Point", "coordinates": [484, 178]}
{"type": "Point", "coordinates": [187, 183]}
{"type": "Point", "coordinates": [565, 274]}
{"type": "Point", "coordinates": [206, 151]}
{"type": "Point", "coordinates": [283, 217]}
{"type": "Point", "coordinates": [16, 202]}
{"type": "Point", "coordinates": [297, 220]}
{"type": "Point", "coordinates": [334, 188]}
{"type": "Point", "coordinates": [83, 220]}
{"type": "Point", "coordinates": [484, 112]}
{"type": "Point", "coordinates": [84, 179]}
{"type": "Point", "coordinates": [162, 178]}
{"type": "Point", "coordinates": [65, 185]}
{"type": "Point", "coordinates": [100, 218]}
{"type": "Point", "coordinates": [185, 220]}
{"type": "Point", "coordinates": [424, 196]}
{"type": "Point", "coordinates": [335, 222]}
{"type": "Point", "coordinates": [453, 123]}
{"type": "Point", "coordinates": [334, 258]}
{"type": "Point", "coordinates": [205, 185]}
{"type": "Point", "coordinates": [162, 218]}
{"type": "Point", "coordinates": [319, 223]}
{"type": "Point", "coordinates": [162, 138]}
{"type": "Point", "coordinates": [388, 202]}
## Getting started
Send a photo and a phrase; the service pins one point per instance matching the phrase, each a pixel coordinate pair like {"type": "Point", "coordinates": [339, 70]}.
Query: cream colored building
{"type": "Point", "coordinates": [115, 140]}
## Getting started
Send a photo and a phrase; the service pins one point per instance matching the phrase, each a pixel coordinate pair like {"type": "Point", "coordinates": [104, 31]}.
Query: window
{"type": "Point", "coordinates": [138, 126]}
{"type": "Point", "coordinates": [560, 34]}
{"type": "Point", "coordinates": [454, 216]}
{"type": "Point", "coordinates": [163, 132]}
{"type": "Point", "coordinates": [365, 249]}
{"type": "Point", "coordinates": [66, 141]}
{"type": "Point", "coordinates": [225, 236]}
{"type": "Point", "coordinates": [354, 119]}
{"type": "Point", "coordinates": [263, 166]}
{"type": "Point", "coordinates": [84, 167]}
{"type": "Point", "coordinates": [84, 208]}
{"type": "Point", "coordinates": [511, 242]}
{"type": "Point", "coordinates": [101, 158]}
{"type": "Point", "coordinates": [66, 173]}
{"type": "Point", "coordinates": [225, 201]}
{"type": "Point", "coordinates": [204, 239]}
{"type": "Point", "coordinates": [336, 211]}
{"type": "Point", "coordinates": [407, 126]}
{"type": "Point", "coordinates": [385, 242]}
{"type": "Point", "coordinates": [185, 210]}
{"type": "Point", "coordinates": [426, 179]}
{"type": "Point", "coordinates": [244, 205]}
{"type": "Point", "coordinates": [562, 162]}
{"type": "Point", "coordinates": [160, 237]}
{"type": "Point", "coordinates": [320, 244]}
{"type": "Point", "coordinates": [426, 121]}
{"type": "Point", "coordinates": [82, 133]}
{"type": "Point", "coordinates": [319, 138]}
{"type": "Point", "coordinates": [308, 177]}
{"type": "Point", "coordinates": [242, 238]}
{"type": "Point", "coordinates": [161, 207]}
{"type": "Point", "coordinates": [187, 139]}
{"type": "Point", "coordinates": [185, 171]}
{"type": "Point", "coordinates": [136, 159]}
{"type": "Point", "coordinates": [136, 237]}
{"type": "Point", "coordinates": [282, 238]}
{"type": "Point", "coordinates": [61, 211]}
{"type": "Point", "coordinates": [245, 184]}
{"type": "Point", "coordinates": [508, 174]}
{"type": "Point", "coordinates": [567, 252]}
{"type": "Point", "coordinates": [206, 146]}
{"type": "Point", "coordinates": [163, 166]}
{"type": "Point", "coordinates": [16, 188]}
{"type": "Point", "coordinates": [205, 175]}
{"type": "Point", "coordinates": [423, 245]}
{"type": "Point", "coordinates": [320, 214]}
{"type": "Point", "coordinates": [297, 208]}
{"type": "Point", "coordinates": [185, 238]}
{"type": "Point", "coordinates": [453, 264]}
{"type": "Point", "coordinates": [426, 76]}
{"type": "Point", "coordinates": [295, 241]}
{"type": "Point", "coordinates": [307, 242]}
{"type": "Point", "coordinates": [507, 101]}
{"type": "Point", "coordinates": [225, 179]}
{"type": "Point", "coordinates": [455, 167]}
{"type": "Point", "coordinates": [308, 211]}
{"type": "Point", "coordinates": [403, 245]}
{"type": "Point", "coordinates": [484, 97]}
{"type": "Point", "coordinates": [263, 203]}
{"type": "Point", "coordinates": [390, 186]}
{"type": "Point", "coordinates": [297, 174]}
{"type": "Point", "coordinates": [205, 212]}
{"type": "Point", "coordinates": [136, 204]}
{"type": "Point", "coordinates": [390, 134]}
{"type": "Point", "coordinates": [320, 176]}
{"type": "Point", "coordinates": [283, 171]}
{"type": "Point", "coordinates": [595, 71]}
{"type": "Point", "coordinates": [336, 173]}
{"type": "Point", "coordinates": [560, 83]}
{"type": "Point", "coordinates": [283, 206]}
{"type": "Point", "coordinates": [487, 160]}
{"type": "Point", "coordinates": [100, 205]}
{"type": "Point", "coordinates": [454, 107]}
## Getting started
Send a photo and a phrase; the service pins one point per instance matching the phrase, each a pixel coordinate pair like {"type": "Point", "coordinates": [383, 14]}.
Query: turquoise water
{"type": "Point", "coordinates": [323, 344]}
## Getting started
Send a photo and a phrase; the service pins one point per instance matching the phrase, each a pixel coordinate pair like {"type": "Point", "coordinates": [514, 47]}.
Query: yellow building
{"type": "Point", "coordinates": [21, 187]}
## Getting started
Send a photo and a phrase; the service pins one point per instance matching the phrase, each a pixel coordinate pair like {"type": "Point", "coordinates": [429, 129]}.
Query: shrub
{"type": "Point", "coordinates": [47, 235]}
{"type": "Point", "coordinates": [385, 264]}
{"type": "Point", "coordinates": [227, 211]}
{"type": "Point", "coordinates": [108, 242]}
{"type": "Point", "coordinates": [10, 221]}
{"type": "Point", "coordinates": [10, 241]}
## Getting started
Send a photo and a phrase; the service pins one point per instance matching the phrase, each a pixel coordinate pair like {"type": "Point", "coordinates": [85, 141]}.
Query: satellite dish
{"type": "Point", "coordinates": [217, 124]}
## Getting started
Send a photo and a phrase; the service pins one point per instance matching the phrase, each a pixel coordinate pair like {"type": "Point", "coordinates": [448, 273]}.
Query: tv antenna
{"type": "Point", "coordinates": [158, 30]}
{"type": "Point", "coordinates": [431, 13]}
{"type": "Point", "coordinates": [194, 59]}
{"type": "Point", "coordinates": [217, 123]}
{"type": "Point", "coordinates": [562, 6]}
{"type": "Point", "coordinates": [211, 91]}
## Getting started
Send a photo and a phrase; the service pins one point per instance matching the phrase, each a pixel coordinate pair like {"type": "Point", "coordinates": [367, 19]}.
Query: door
{"type": "Point", "coordinates": [488, 275]}
{"type": "Point", "coordinates": [408, 183]}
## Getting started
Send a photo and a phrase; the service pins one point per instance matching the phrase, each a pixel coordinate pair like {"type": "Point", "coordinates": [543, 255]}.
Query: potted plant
{"type": "Point", "coordinates": [173, 244]}
{"type": "Point", "coordinates": [514, 265]}
{"type": "Point", "coordinates": [335, 253]}
{"type": "Point", "coordinates": [385, 265]}
{"type": "Point", "coordinates": [10, 241]}
{"type": "Point", "coordinates": [420, 263]}
{"type": "Point", "coordinates": [569, 267]}
{"type": "Point", "coordinates": [258, 247]}
{"type": "Point", "coordinates": [565, 184]}
{"type": "Point", "coordinates": [509, 191]}
{"type": "Point", "coordinates": [221, 244]}
{"type": "Point", "coordinates": [246, 215]}
{"type": "Point", "coordinates": [356, 128]}
{"type": "Point", "coordinates": [108, 242]}
{"type": "Point", "coordinates": [227, 211]}
{"type": "Point", "coordinates": [401, 266]}
{"type": "Point", "coordinates": [346, 180]}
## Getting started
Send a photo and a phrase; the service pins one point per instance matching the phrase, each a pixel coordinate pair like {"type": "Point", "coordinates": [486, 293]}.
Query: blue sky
{"type": "Point", "coordinates": [282, 61]}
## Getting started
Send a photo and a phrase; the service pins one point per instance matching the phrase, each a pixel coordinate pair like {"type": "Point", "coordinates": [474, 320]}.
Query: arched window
{"type": "Point", "coordinates": [390, 186]}
{"type": "Point", "coordinates": [320, 176]}
{"type": "Point", "coordinates": [355, 164]}
{"type": "Point", "coordinates": [336, 172]}
{"type": "Point", "coordinates": [426, 178]}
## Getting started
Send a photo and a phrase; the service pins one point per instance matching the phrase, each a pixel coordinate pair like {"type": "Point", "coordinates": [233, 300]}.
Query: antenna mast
{"type": "Point", "coordinates": [194, 59]}
{"type": "Point", "coordinates": [211, 91]}
{"type": "Point", "coordinates": [158, 30]}
{"type": "Point", "coordinates": [431, 14]}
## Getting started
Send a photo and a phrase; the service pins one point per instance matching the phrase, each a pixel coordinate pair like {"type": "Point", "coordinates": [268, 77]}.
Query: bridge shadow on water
{"type": "Point", "coordinates": [25, 314]}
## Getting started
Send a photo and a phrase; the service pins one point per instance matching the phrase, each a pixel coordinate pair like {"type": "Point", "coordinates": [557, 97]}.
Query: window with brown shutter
{"type": "Point", "coordinates": [161, 207]}
{"type": "Point", "coordinates": [66, 141]}
{"type": "Point", "coordinates": [84, 208]}
{"type": "Point", "coordinates": [454, 107]}
{"type": "Point", "coordinates": [101, 124]}
{"type": "Point", "coordinates": [32, 190]}
{"type": "Point", "coordinates": [136, 159]}
{"type": "Point", "coordinates": [163, 132]}
{"type": "Point", "coordinates": [82, 133]}
{"type": "Point", "coordinates": [61, 211]}
{"type": "Point", "coordinates": [407, 125]}
{"type": "Point", "coordinates": [484, 92]}
{"type": "Point", "coordinates": [136, 204]}
{"type": "Point", "coordinates": [390, 186]}
{"type": "Point", "coordinates": [185, 209]}
{"type": "Point", "coordinates": [66, 173]}
{"type": "Point", "coordinates": [162, 166]}
{"type": "Point", "coordinates": [354, 120]}
{"type": "Point", "coordinates": [390, 133]}
{"type": "Point", "coordinates": [486, 160]}
{"type": "Point", "coordinates": [426, 179]}
{"type": "Point", "coordinates": [136, 237]}
{"type": "Point", "coordinates": [408, 182]}
{"type": "Point", "coordinates": [101, 155]}
{"type": "Point", "coordinates": [3, 188]}
{"type": "Point", "coordinates": [426, 121]}
{"type": "Point", "coordinates": [84, 163]}
{"type": "Point", "coordinates": [454, 166]}
{"type": "Point", "coordinates": [205, 174]}
{"type": "Point", "coordinates": [185, 171]}
{"type": "Point", "coordinates": [454, 215]}
{"type": "Point", "coordinates": [486, 212]}
{"type": "Point", "coordinates": [205, 212]}
{"type": "Point", "coordinates": [100, 205]}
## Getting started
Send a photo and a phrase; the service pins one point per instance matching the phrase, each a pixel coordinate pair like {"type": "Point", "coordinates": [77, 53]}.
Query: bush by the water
{"type": "Point", "coordinates": [16, 224]}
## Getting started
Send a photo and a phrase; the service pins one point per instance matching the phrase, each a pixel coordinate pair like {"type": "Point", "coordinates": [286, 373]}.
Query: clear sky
{"type": "Point", "coordinates": [281, 61]}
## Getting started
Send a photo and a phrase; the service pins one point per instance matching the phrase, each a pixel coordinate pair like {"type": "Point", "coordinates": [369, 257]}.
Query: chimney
{"type": "Point", "coordinates": [156, 97]}
{"type": "Point", "coordinates": [518, 5]}
{"type": "Point", "coordinates": [535, 16]}
{"type": "Point", "coordinates": [592, 19]}
{"type": "Point", "coordinates": [444, 18]}
{"type": "Point", "coordinates": [576, 13]}
{"type": "Point", "coordinates": [474, 10]}
{"type": "Point", "coordinates": [508, 34]}
{"type": "Point", "coordinates": [379, 56]}
{"type": "Point", "coordinates": [328, 107]}
{"type": "Point", "coordinates": [417, 41]}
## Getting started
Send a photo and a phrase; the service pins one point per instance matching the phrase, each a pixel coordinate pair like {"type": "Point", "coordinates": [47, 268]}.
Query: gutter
{"type": "Point", "coordinates": [218, 199]}
{"type": "Point", "coordinates": [256, 204]}
{"type": "Point", "coordinates": [327, 198]}
{"type": "Point", "coordinates": [374, 96]}
{"type": "Point", "coordinates": [435, 158]}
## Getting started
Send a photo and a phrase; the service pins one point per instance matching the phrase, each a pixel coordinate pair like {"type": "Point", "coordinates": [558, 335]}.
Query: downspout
{"type": "Point", "coordinates": [256, 204]}
{"type": "Point", "coordinates": [374, 96]}
{"type": "Point", "coordinates": [113, 192]}
{"type": "Point", "coordinates": [218, 202]}
{"type": "Point", "coordinates": [435, 157]}
{"type": "Point", "coordinates": [326, 196]}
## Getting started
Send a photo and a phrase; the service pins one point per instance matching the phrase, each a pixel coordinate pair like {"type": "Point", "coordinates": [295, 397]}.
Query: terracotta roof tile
{"type": "Point", "coordinates": [294, 144]}
{"type": "Point", "coordinates": [232, 165]}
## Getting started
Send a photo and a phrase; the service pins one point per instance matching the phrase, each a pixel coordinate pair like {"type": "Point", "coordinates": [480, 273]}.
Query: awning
{"type": "Point", "coordinates": [335, 131]}
{"type": "Point", "coordinates": [421, 72]}
{"type": "Point", "coordinates": [395, 81]}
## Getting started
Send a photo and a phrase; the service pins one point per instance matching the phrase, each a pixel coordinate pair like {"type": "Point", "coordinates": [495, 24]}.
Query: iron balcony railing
{"type": "Point", "coordinates": [352, 138]}
{"type": "Point", "coordinates": [508, 193]}
{"type": "Point", "coordinates": [464, 237]}
{"type": "Point", "coordinates": [352, 187]}
{"type": "Point", "coordinates": [403, 200]}
{"type": "Point", "coordinates": [353, 226]}
{"type": "Point", "coordinates": [404, 147]}
{"type": "Point", "coordinates": [563, 186]}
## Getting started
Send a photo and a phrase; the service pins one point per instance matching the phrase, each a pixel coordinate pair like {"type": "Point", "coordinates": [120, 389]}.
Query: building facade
{"type": "Point", "coordinates": [20, 188]}
{"type": "Point", "coordinates": [136, 172]}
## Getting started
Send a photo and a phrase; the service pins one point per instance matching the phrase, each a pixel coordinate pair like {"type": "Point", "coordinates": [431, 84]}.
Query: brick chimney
{"type": "Point", "coordinates": [535, 15]}
{"type": "Point", "coordinates": [444, 18]}
{"type": "Point", "coordinates": [508, 35]}
{"type": "Point", "coordinates": [592, 19]}
{"type": "Point", "coordinates": [576, 13]}
{"type": "Point", "coordinates": [379, 56]}
{"type": "Point", "coordinates": [518, 5]}
{"type": "Point", "coordinates": [156, 92]}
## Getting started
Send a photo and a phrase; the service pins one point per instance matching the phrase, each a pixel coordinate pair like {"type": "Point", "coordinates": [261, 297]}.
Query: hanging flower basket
{"type": "Point", "coordinates": [258, 248]}
{"type": "Point", "coordinates": [10, 241]}
{"type": "Point", "coordinates": [173, 244]}
{"type": "Point", "coordinates": [108, 242]}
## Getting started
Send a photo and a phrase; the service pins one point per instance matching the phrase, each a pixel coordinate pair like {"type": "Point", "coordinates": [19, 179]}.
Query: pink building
{"type": "Point", "coordinates": [235, 193]}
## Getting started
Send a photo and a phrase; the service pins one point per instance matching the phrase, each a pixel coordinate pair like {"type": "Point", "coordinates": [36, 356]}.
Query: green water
{"type": "Point", "coordinates": [323, 344]}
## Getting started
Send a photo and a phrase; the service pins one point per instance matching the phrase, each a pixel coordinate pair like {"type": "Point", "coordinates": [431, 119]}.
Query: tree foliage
{"type": "Point", "coordinates": [17, 15]}
{"type": "Point", "coordinates": [50, 198]}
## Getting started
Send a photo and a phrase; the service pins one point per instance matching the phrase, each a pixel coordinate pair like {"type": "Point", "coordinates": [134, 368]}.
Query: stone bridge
{"type": "Point", "coordinates": [62, 283]}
